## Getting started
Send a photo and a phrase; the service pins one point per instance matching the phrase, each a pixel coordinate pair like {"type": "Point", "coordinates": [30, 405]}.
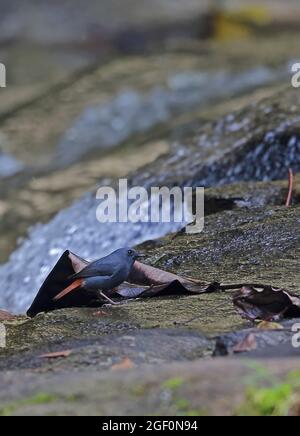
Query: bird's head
{"type": "Point", "coordinates": [129, 254]}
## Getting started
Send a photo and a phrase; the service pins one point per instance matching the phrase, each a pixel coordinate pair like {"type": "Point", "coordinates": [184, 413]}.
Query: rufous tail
{"type": "Point", "coordinates": [75, 285]}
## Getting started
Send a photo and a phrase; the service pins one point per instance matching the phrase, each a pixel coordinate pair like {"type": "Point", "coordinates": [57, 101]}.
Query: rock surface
{"type": "Point", "coordinates": [137, 357]}
{"type": "Point", "coordinates": [130, 112]}
{"type": "Point", "coordinates": [9, 166]}
{"type": "Point", "coordinates": [36, 21]}
{"type": "Point", "coordinates": [172, 389]}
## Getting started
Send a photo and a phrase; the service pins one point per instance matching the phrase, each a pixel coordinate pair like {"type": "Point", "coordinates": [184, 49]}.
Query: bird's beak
{"type": "Point", "coordinates": [140, 255]}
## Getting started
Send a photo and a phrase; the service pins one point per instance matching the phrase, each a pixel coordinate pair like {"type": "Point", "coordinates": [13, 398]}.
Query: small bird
{"type": "Point", "coordinates": [103, 274]}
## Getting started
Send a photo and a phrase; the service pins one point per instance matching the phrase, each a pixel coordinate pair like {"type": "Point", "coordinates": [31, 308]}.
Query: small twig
{"type": "Point", "coordinates": [181, 323]}
{"type": "Point", "coordinates": [291, 188]}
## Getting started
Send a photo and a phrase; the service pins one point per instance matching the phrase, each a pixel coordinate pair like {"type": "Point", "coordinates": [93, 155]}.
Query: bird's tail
{"type": "Point", "coordinates": [75, 285]}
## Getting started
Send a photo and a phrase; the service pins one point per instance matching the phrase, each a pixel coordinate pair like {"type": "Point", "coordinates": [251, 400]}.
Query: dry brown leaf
{"type": "Point", "coordinates": [266, 303]}
{"type": "Point", "coordinates": [266, 325]}
{"type": "Point", "coordinates": [247, 344]}
{"type": "Point", "coordinates": [5, 316]}
{"type": "Point", "coordinates": [126, 363]}
{"type": "Point", "coordinates": [78, 263]}
{"type": "Point", "coordinates": [147, 281]}
{"type": "Point", "coordinates": [100, 313]}
{"type": "Point", "coordinates": [56, 354]}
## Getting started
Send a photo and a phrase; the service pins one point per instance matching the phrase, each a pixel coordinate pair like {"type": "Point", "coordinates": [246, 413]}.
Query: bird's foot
{"type": "Point", "coordinates": [111, 302]}
{"type": "Point", "coordinates": [121, 303]}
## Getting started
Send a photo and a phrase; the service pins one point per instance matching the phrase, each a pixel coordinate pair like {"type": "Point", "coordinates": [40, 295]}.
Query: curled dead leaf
{"type": "Point", "coordinates": [100, 313]}
{"type": "Point", "coordinates": [266, 303]}
{"type": "Point", "coordinates": [6, 316]}
{"type": "Point", "coordinates": [246, 345]}
{"type": "Point", "coordinates": [126, 363]}
{"type": "Point", "coordinates": [78, 263]}
{"type": "Point", "coordinates": [146, 281]}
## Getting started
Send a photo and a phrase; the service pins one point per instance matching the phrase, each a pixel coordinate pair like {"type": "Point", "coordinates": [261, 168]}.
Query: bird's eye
{"type": "Point", "coordinates": [130, 252]}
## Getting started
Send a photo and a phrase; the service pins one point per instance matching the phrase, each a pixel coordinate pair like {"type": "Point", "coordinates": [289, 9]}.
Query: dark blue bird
{"type": "Point", "coordinates": [104, 274]}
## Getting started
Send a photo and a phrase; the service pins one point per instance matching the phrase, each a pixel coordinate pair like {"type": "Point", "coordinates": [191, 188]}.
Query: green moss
{"type": "Point", "coordinates": [275, 400]}
{"type": "Point", "coordinates": [183, 403]}
{"type": "Point", "coordinates": [267, 402]}
{"type": "Point", "coordinates": [195, 413]}
{"type": "Point", "coordinates": [184, 408]}
{"type": "Point", "coordinates": [37, 399]}
{"type": "Point", "coordinates": [138, 390]}
{"type": "Point", "coordinates": [259, 375]}
{"type": "Point", "coordinates": [173, 383]}
{"type": "Point", "coordinates": [294, 378]}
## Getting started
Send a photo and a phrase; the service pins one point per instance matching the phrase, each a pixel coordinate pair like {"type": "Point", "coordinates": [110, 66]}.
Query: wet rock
{"type": "Point", "coordinates": [144, 332]}
{"type": "Point", "coordinates": [63, 112]}
{"type": "Point", "coordinates": [104, 351]}
{"type": "Point", "coordinates": [197, 313]}
{"type": "Point", "coordinates": [258, 143]}
{"type": "Point", "coordinates": [95, 22]}
{"type": "Point", "coordinates": [268, 343]}
{"type": "Point", "coordinates": [9, 166]}
{"type": "Point", "coordinates": [106, 126]}
{"type": "Point", "coordinates": [249, 195]}
{"type": "Point", "coordinates": [42, 197]}
{"type": "Point", "coordinates": [63, 324]}
{"type": "Point", "coordinates": [238, 246]}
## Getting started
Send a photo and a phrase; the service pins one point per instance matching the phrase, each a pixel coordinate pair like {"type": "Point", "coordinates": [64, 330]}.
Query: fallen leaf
{"type": "Point", "coordinates": [57, 280]}
{"type": "Point", "coordinates": [126, 363]}
{"type": "Point", "coordinates": [100, 313]}
{"type": "Point", "coordinates": [266, 303]}
{"type": "Point", "coordinates": [5, 316]}
{"type": "Point", "coordinates": [56, 354]}
{"type": "Point", "coordinates": [266, 325]}
{"type": "Point", "coordinates": [144, 281]}
{"type": "Point", "coordinates": [78, 263]}
{"type": "Point", "coordinates": [247, 344]}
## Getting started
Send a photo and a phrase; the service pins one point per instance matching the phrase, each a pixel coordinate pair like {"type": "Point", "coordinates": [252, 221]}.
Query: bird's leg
{"type": "Point", "coordinates": [107, 298]}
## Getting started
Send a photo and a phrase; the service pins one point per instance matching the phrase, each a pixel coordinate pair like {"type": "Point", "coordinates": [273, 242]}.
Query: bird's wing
{"type": "Point", "coordinates": [95, 269]}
